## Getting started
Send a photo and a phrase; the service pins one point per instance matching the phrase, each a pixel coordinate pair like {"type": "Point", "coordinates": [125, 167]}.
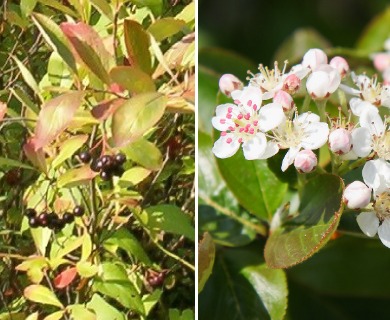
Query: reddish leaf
{"type": "Point", "coordinates": [3, 110]}
{"type": "Point", "coordinates": [35, 155]}
{"type": "Point", "coordinates": [55, 116]}
{"type": "Point", "coordinates": [89, 48]}
{"type": "Point", "coordinates": [106, 108]}
{"type": "Point", "coordinates": [65, 278]}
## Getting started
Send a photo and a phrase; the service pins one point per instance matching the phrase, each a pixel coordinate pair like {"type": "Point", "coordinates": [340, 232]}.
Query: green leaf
{"type": "Point", "coordinates": [133, 79]}
{"type": "Point", "coordinates": [376, 33]}
{"type": "Point", "coordinates": [133, 176]}
{"type": "Point", "coordinates": [6, 162]}
{"type": "Point", "coordinates": [155, 5]}
{"type": "Point", "coordinates": [175, 314]}
{"type": "Point", "coordinates": [66, 247]}
{"type": "Point", "coordinates": [54, 36]}
{"type": "Point", "coordinates": [104, 310]}
{"type": "Point", "coordinates": [76, 177]}
{"type": "Point", "coordinates": [207, 96]}
{"type": "Point", "coordinates": [27, 76]}
{"type": "Point", "coordinates": [27, 6]}
{"type": "Point", "coordinates": [86, 269]}
{"type": "Point", "coordinates": [206, 256]}
{"type": "Point", "coordinates": [41, 237]}
{"type": "Point", "coordinates": [55, 316]}
{"type": "Point", "coordinates": [79, 312]}
{"type": "Point", "coordinates": [170, 219]}
{"type": "Point", "coordinates": [144, 153]}
{"type": "Point", "coordinates": [41, 294]}
{"type": "Point", "coordinates": [59, 6]}
{"type": "Point", "coordinates": [103, 7]}
{"type": "Point", "coordinates": [137, 115]}
{"type": "Point", "coordinates": [68, 148]}
{"type": "Point", "coordinates": [115, 284]}
{"type": "Point", "coordinates": [150, 300]}
{"type": "Point", "coordinates": [123, 239]}
{"type": "Point", "coordinates": [255, 186]}
{"type": "Point", "coordinates": [318, 217]}
{"type": "Point", "coordinates": [166, 27]}
{"type": "Point", "coordinates": [137, 44]}
{"type": "Point", "coordinates": [243, 287]}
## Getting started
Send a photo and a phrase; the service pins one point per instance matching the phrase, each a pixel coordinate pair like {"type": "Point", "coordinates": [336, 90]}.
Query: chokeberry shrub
{"type": "Point", "coordinates": [97, 159]}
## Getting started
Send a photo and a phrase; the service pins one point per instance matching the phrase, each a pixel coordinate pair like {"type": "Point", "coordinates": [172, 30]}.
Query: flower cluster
{"type": "Point", "coordinates": [265, 117]}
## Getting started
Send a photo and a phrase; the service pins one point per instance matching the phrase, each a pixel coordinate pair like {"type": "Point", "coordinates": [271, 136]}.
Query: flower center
{"type": "Point", "coordinates": [371, 91]}
{"type": "Point", "coordinates": [269, 79]}
{"type": "Point", "coordinates": [382, 206]}
{"type": "Point", "coordinates": [289, 135]}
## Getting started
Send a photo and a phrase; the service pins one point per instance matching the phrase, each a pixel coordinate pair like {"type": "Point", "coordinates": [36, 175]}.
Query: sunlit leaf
{"type": "Point", "coordinates": [41, 294]}
{"type": "Point", "coordinates": [65, 278]}
{"type": "Point", "coordinates": [76, 177]}
{"type": "Point", "coordinates": [133, 176]}
{"type": "Point", "coordinates": [80, 312]}
{"type": "Point", "coordinates": [166, 27]}
{"type": "Point", "coordinates": [103, 309]}
{"type": "Point", "coordinates": [133, 79]}
{"type": "Point", "coordinates": [136, 151]}
{"type": "Point", "coordinates": [68, 148]}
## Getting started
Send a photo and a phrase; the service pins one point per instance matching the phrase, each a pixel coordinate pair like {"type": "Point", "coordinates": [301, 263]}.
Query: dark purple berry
{"type": "Point", "coordinates": [85, 156]}
{"type": "Point", "coordinates": [96, 165]}
{"type": "Point", "coordinates": [59, 224]}
{"type": "Point", "coordinates": [106, 158]}
{"type": "Point", "coordinates": [105, 175]}
{"type": "Point", "coordinates": [118, 171]}
{"type": "Point", "coordinates": [33, 222]}
{"type": "Point", "coordinates": [78, 211]}
{"type": "Point", "coordinates": [43, 219]}
{"type": "Point", "coordinates": [157, 280]}
{"type": "Point", "coordinates": [120, 158]}
{"type": "Point", "coordinates": [68, 217]}
{"type": "Point", "coordinates": [30, 212]}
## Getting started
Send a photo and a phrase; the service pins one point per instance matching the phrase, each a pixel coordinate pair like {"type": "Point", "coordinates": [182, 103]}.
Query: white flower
{"type": "Point", "coordinates": [314, 58]}
{"type": "Point", "coordinates": [357, 195]}
{"type": "Point", "coordinates": [340, 64]}
{"type": "Point", "coordinates": [229, 83]}
{"type": "Point", "coordinates": [305, 161]}
{"type": "Point", "coordinates": [340, 141]}
{"type": "Point", "coordinates": [245, 124]}
{"type": "Point", "coordinates": [376, 174]}
{"type": "Point", "coordinates": [304, 132]}
{"type": "Point", "coordinates": [323, 82]}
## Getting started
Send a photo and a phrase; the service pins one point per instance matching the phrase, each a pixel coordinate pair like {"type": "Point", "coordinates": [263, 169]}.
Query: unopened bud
{"type": "Point", "coordinates": [357, 195]}
{"type": "Point", "coordinates": [381, 61]}
{"type": "Point", "coordinates": [229, 83]}
{"type": "Point", "coordinates": [305, 161]}
{"type": "Point", "coordinates": [340, 141]}
{"type": "Point", "coordinates": [314, 58]}
{"type": "Point", "coordinates": [292, 84]}
{"type": "Point", "coordinates": [3, 110]}
{"type": "Point", "coordinates": [340, 64]}
{"type": "Point", "coordinates": [283, 98]}
{"type": "Point", "coordinates": [323, 82]}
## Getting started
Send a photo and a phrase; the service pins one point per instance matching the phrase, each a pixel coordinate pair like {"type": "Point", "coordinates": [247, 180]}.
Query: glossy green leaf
{"type": "Point", "coordinates": [56, 39]}
{"type": "Point", "coordinates": [103, 309]}
{"type": "Point", "coordinates": [123, 239]}
{"type": "Point", "coordinates": [166, 27]}
{"type": "Point", "coordinates": [255, 186]}
{"type": "Point", "coordinates": [137, 115]}
{"type": "Point", "coordinates": [318, 217]}
{"type": "Point", "coordinates": [137, 150]}
{"type": "Point", "coordinates": [243, 287]}
{"type": "Point", "coordinates": [76, 177]}
{"type": "Point", "coordinates": [133, 79]}
{"type": "Point", "coordinates": [206, 256]}
{"type": "Point", "coordinates": [68, 148]}
{"type": "Point", "coordinates": [114, 283]}
{"type": "Point", "coordinates": [7, 162]}
{"type": "Point", "coordinates": [170, 219]}
{"type": "Point", "coordinates": [376, 33]}
{"type": "Point", "coordinates": [27, 76]}
{"type": "Point", "coordinates": [133, 176]}
{"type": "Point", "coordinates": [154, 5]}
{"type": "Point", "coordinates": [41, 294]}
{"type": "Point", "coordinates": [137, 44]}
{"type": "Point", "coordinates": [86, 269]}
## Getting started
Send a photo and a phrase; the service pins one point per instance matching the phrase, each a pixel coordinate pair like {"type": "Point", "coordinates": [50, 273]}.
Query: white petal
{"type": "Point", "coordinates": [307, 117]}
{"type": "Point", "coordinates": [271, 116]}
{"type": "Point", "coordinates": [368, 223]}
{"type": "Point", "coordinates": [358, 106]}
{"type": "Point", "coordinates": [316, 135]}
{"type": "Point", "coordinates": [376, 174]}
{"type": "Point", "coordinates": [222, 109]}
{"type": "Point", "coordinates": [222, 149]}
{"type": "Point", "coordinates": [255, 147]}
{"type": "Point", "coordinates": [221, 123]}
{"type": "Point", "coordinates": [361, 141]}
{"type": "Point", "coordinates": [384, 232]}
{"type": "Point", "coordinates": [372, 120]}
{"type": "Point", "coordinates": [271, 149]}
{"type": "Point", "coordinates": [318, 84]}
{"type": "Point", "coordinates": [349, 90]}
{"type": "Point", "coordinates": [290, 157]}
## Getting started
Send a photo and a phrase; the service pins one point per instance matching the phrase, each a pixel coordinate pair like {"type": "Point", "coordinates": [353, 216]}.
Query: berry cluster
{"type": "Point", "coordinates": [52, 220]}
{"type": "Point", "coordinates": [107, 165]}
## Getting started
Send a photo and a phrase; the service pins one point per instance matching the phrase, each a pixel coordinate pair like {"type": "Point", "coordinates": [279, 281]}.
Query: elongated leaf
{"type": "Point", "coordinates": [155, 5]}
{"type": "Point", "coordinates": [6, 162]}
{"type": "Point", "coordinates": [136, 151]}
{"type": "Point", "coordinates": [36, 156]}
{"type": "Point", "coordinates": [27, 76]}
{"type": "Point", "coordinates": [170, 219]}
{"type": "Point", "coordinates": [137, 115]}
{"type": "Point", "coordinates": [55, 316]}
{"type": "Point", "coordinates": [319, 215]}
{"type": "Point", "coordinates": [65, 278]}
{"type": "Point", "coordinates": [41, 294]}
{"type": "Point", "coordinates": [27, 6]}
{"type": "Point", "coordinates": [55, 116]}
{"type": "Point", "coordinates": [133, 176]}
{"type": "Point", "coordinates": [242, 287]}
{"type": "Point", "coordinates": [255, 186]}
{"type": "Point", "coordinates": [68, 148]}
{"type": "Point", "coordinates": [104, 7]}
{"type": "Point", "coordinates": [76, 177]}
{"type": "Point", "coordinates": [80, 312]}
{"type": "Point", "coordinates": [206, 256]}
{"type": "Point", "coordinates": [54, 36]}
{"type": "Point", "coordinates": [166, 27]}
{"type": "Point", "coordinates": [137, 44]}
{"type": "Point", "coordinates": [103, 309]}
{"type": "Point", "coordinates": [133, 79]}
{"type": "Point", "coordinates": [86, 269]}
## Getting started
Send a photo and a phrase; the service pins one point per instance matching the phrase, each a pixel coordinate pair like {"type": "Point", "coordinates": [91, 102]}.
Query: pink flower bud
{"type": "Point", "coordinates": [283, 98]}
{"type": "Point", "coordinates": [357, 195]}
{"type": "Point", "coordinates": [314, 58]}
{"type": "Point", "coordinates": [292, 84]}
{"type": "Point", "coordinates": [305, 161]}
{"type": "Point", "coordinates": [323, 82]}
{"type": "Point", "coordinates": [340, 141]}
{"type": "Point", "coordinates": [386, 77]}
{"type": "Point", "coordinates": [340, 64]}
{"type": "Point", "coordinates": [3, 110]}
{"type": "Point", "coordinates": [381, 61]}
{"type": "Point", "coordinates": [229, 83]}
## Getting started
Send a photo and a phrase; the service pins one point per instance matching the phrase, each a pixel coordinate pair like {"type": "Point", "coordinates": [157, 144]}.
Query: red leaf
{"type": "Point", "coordinates": [106, 108]}
{"type": "Point", "coordinates": [55, 116]}
{"type": "Point", "coordinates": [65, 278]}
{"type": "Point", "coordinates": [3, 110]}
{"type": "Point", "coordinates": [35, 155]}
